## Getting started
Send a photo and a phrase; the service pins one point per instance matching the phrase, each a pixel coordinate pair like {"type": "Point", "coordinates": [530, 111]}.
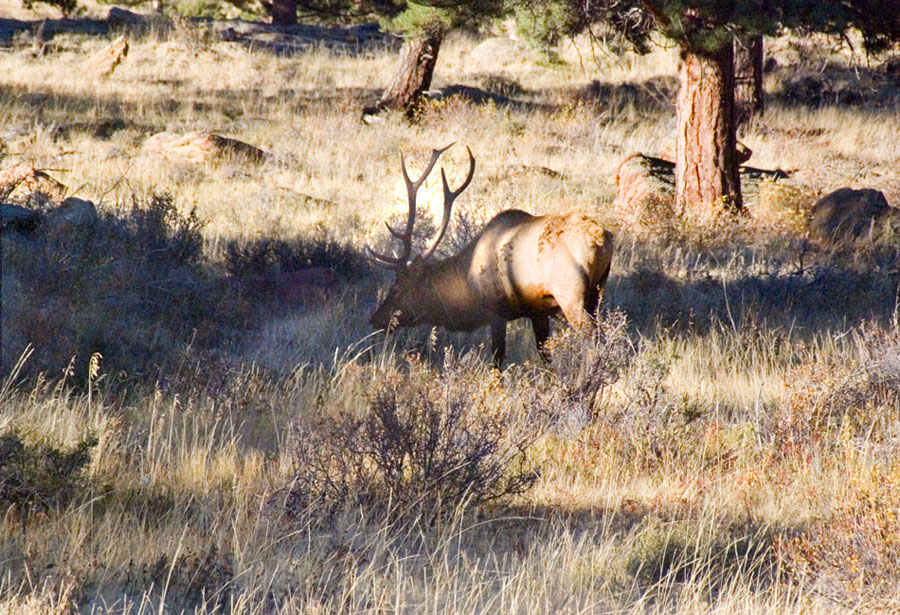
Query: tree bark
{"type": "Point", "coordinates": [707, 181]}
{"type": "Point", "coordinates": [413, 78]}
{"type": "Point", "coordinates": [748, 78]}
{"type": "Point", "coordinates": [284, 12]}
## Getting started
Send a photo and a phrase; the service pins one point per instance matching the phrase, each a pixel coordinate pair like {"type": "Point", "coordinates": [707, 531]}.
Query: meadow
{"type": "Point", "coordinates": [728, 442]}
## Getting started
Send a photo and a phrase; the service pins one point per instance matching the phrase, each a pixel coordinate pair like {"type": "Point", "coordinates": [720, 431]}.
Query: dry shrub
{"type": "Point", "coordinates": [825, 399]}
{"type": "Point", "coordinates": [450, 109]}
{"type": "Point", "coordinates": [582, 364]}
{"type": "Point", "coordinates": [852, 557]}
{"type": "Point", "coordinates": [848, 415]}
{"type": "Point", "coordinates": [264, 256]}
{"type": "Point", "coordinates": [781, 207]}
{"type": "Point", "coordinates": [425, 445]}
{"type": "Point", "coordinates": [198, 581]}
{"type": "Point", "coordinates": [39, 476]}
{"type": "Point", "coordinates": [653, 427]}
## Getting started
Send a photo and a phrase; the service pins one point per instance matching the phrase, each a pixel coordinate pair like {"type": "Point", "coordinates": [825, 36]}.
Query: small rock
{"type": "Point", "coordinates": [200, 147]}
{"type": "Point", "coordinates": [73, 213]}
{"type": "Point", "coordinates": [849, 214]}
{"type": "Point", "coordinates": [16, 218]}
{"type": "Point", "coordinates": [104, 62]}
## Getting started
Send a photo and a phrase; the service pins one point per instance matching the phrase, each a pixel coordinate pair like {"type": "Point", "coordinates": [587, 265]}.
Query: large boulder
{"type": "Point", "coordinates": [848, 214]}
{"type": "Point", "coordinates": [200, 147]}
{"type": "Point", "coordinates": [645, 190]}
{"type": "Point", "coordinates": [21, 182]}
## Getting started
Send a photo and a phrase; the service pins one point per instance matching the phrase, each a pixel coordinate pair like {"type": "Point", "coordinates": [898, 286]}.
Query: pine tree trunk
{"type": "Point", "coordinates": [284, 12]}
{"type": "Point", "coordinates": [414, 75]}
{"type": "Point", "coordinates": [748, 78]}
{"type": "Point", "coordinates": [707, 181]}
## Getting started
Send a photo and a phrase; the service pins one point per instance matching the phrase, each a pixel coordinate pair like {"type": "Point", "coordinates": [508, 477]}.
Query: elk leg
{"type": "Point", "coordinates": [595, 297]}
{"type": "Point", "coordinates": [541, 326]}
{"type": "Point", "coordinates": [498, 342]}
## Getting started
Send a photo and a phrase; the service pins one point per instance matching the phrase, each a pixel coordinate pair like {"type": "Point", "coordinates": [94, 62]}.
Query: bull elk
{"type": "Point", "coordinates": [518, 266]}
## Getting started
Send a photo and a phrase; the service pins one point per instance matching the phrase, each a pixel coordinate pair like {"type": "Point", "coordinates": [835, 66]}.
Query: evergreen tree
{"type": "Point", "coordinates": [424, 25]}
{"type": "Point", "coordinates": [706, 176]}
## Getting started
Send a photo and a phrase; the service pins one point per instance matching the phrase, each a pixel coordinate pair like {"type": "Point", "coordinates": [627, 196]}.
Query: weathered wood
{"type": "Point", "coordinates": [21, 180]}
{"type": "Point", "coordinates": [413, 77]}
{"type": "Point", "coordinates": [749, 96]}
{"type": "Point", "coordinates": [645, 188]}
{"type": "Point", "coordinates": [105, 61]}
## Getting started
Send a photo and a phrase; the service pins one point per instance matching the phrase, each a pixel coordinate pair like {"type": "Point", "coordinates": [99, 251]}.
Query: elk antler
{"type": "Point", "coordinates": [397, 263]}
{"type": "Point", "coordinates": [449, 197]}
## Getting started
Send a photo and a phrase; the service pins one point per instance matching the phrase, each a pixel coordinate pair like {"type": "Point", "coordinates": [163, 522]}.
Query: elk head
{"type": "Point", "coordinates": [401, 305]}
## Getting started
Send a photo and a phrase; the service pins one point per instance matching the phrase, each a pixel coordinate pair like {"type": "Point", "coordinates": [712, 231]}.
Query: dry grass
{"type": "Point", "coordinates": [739, 455]}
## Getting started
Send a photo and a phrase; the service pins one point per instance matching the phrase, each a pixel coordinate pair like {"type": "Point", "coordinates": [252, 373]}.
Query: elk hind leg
{"type": "Point", "coordinates": [541, 327]}
{"type": "Point", "coordinates": [572, 294]}
{"type": "Point", "coordinates": [595, 294]}
{"type": "Point", "coordinates": [498, 342]}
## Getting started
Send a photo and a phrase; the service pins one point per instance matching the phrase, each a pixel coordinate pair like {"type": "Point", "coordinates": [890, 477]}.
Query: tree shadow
{"type": "Point", "coordinates": [103, 115]}
{"type": "Point", "coordinates": [871, 88]}
{"type": "Point", "coordinates": [653, 95]}
{"type": "Point", "coordinates": [279, 40]}
{"type": "Point", "coordinates": [479, 96]}
{"type": "Point", "coordinates": [824, 296]}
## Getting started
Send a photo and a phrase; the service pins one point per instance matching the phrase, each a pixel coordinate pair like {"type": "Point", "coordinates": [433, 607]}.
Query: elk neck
{"type": "Point", "coordinates": [448, 298]}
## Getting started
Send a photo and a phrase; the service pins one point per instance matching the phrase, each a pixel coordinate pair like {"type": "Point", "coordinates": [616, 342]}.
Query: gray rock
{"type": "Point", "coordinates": [16, 218]}
{"type": "Point", "coordinates": [73, 213]}
{"type": "Point", "coordinates": [848, 214]}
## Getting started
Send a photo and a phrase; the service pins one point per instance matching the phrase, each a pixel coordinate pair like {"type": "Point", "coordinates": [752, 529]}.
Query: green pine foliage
{"type": "Point", "coordinates": [40, 476]}
{"type": "Point", "coordinates": [707, 25]}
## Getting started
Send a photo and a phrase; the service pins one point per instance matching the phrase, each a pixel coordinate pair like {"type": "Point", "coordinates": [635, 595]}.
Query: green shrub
{"type": "Point", "coordinates": [40, 477]}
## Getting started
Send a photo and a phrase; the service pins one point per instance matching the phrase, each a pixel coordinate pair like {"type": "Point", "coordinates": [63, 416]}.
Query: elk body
{"type": "Point", "coordinates": [519, 266]}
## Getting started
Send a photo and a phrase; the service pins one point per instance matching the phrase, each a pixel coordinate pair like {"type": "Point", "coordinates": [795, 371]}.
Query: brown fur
{"type": "Point", "coordinates": [518, 266]}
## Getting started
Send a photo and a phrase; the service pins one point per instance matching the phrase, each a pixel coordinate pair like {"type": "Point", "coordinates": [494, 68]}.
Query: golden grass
{"type": "Point", "coordinates": [722, 432]}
